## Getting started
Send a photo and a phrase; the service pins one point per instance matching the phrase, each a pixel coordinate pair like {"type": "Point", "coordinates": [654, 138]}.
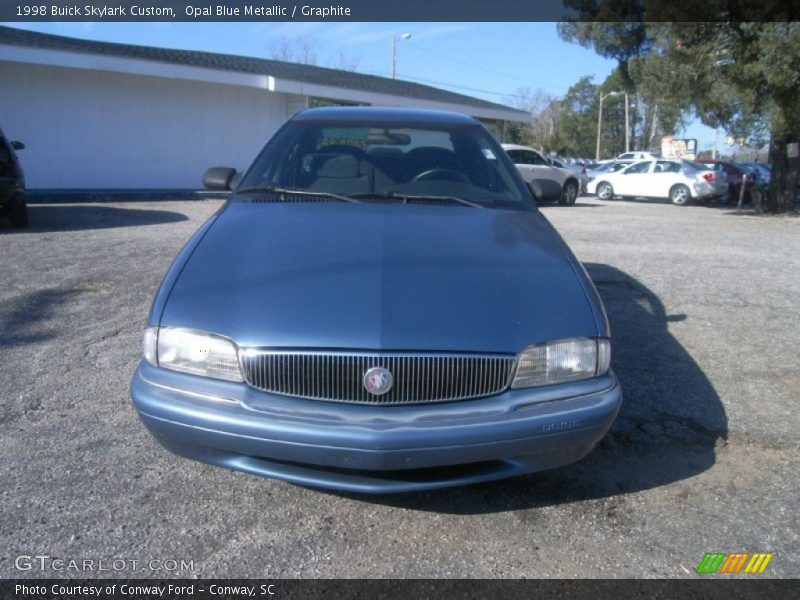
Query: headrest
{"type": "Point", "coordinates": [338, 166]}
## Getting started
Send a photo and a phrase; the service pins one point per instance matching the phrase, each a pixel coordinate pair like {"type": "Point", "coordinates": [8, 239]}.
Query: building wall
{"type": "Point", "coordinates": [91, 129]}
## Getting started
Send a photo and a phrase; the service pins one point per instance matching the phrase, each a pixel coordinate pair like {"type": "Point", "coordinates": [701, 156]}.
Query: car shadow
{"type": "Point", "coordinates": [670, 425]}
{"type": "Point", "coordinates": [76, 217]}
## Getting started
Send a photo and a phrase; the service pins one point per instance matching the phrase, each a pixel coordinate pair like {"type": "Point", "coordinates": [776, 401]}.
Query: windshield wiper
{"type": "Point", "coordinates": [271, 189]}
{"type": "Point", "coordinates": [419, 198]}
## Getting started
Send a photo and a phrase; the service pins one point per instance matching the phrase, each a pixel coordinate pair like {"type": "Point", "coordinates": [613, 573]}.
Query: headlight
{"type": "Point", "coordinates": [561, 361]}
{"type": "Point", "coordinates": [192, 352]}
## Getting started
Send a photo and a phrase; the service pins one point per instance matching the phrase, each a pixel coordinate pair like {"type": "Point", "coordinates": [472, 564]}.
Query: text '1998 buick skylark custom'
{"type": "Point", "coordinates": [378, 307]}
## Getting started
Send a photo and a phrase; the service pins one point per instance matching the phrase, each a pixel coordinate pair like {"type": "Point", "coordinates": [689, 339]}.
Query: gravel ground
{"type": "Point", "coordinates": [704, 457]}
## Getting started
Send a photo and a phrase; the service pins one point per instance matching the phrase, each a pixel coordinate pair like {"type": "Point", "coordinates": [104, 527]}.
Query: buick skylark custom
{"type": "Point", "coordinates": [379, 306]}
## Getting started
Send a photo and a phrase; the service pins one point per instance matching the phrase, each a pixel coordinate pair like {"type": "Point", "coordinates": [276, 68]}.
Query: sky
{"type": "Point", "coordinates": [486, 60]}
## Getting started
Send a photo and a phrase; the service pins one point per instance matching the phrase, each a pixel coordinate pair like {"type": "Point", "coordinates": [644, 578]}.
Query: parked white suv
{"type": "Point", "coordinates": [552, 183]}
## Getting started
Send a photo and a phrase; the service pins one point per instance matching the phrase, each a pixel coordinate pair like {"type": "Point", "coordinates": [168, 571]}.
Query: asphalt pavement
{"type": "Point", "coordinates": [704, 305]}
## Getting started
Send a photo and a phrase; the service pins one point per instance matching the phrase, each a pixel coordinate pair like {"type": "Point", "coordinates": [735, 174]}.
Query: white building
{"type": "Point", "coordinates": [116, 116]}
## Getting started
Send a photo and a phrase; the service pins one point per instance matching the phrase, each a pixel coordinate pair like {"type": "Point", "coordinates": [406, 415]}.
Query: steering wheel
{"type": "Point", "coordinates": [439, 173]}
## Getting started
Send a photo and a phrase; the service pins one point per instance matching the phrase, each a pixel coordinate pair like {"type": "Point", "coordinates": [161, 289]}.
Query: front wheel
{"type": "Point", "coordinates": [680, 195]}
{"type": "Point", "coordinates": [569, 194]}
{"type": "Point", "coordinates": [605, 191]}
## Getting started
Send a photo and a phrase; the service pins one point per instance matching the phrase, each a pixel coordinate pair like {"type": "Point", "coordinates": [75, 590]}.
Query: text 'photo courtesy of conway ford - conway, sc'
{"type": "Point", "coordinates": [378, 307]}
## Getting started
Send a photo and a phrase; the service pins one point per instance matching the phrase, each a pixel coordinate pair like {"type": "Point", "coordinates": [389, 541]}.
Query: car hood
{"type": "Point", "coordinates": [381, 276]}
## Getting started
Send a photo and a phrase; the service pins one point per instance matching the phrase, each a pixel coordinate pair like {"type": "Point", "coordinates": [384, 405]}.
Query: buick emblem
{"type": "Point", "coordinates": [378, 380]}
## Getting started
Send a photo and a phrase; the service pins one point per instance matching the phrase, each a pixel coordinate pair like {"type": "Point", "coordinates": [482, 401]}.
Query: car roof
{"type": "Point", "coordinates": [369, 114]}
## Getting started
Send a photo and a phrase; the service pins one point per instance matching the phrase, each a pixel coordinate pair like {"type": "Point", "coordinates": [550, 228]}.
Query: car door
{"type": "Point", "coordinates": [633, 180]}
{"type": "Point", "coordinates": [665, 174]}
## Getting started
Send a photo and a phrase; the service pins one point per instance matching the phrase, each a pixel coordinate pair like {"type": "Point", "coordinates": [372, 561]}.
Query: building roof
{"type": "Point", "coordinates": [310, 74]}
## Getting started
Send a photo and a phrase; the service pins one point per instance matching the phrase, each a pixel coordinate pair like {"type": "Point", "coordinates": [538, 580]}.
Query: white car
{"type": "Point", "coordinates": [678, 180]}
{"type": "Point", "coordinates": [556, 183]}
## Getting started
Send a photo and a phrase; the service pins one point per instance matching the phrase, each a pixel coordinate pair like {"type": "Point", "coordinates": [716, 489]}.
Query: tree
{"type": "Point", "coordinates": [750, 84]}
{"type": "Point", "coordinates": [731, 73]}
{"type": "Point", "coordinates": [620, 40]}
{"type": "Point", "coordinates": [543, 108]}
{"type": "Point", "coordinates": [576, 124]}
{"type": "Point", "coordinates": [298, 49]}
{"type": "Point", "coordinates": [303, 50]}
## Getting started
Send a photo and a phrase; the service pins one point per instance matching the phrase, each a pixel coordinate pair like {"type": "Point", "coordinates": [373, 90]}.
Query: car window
{"type": "Point", "coordinates": [516, 156]}
{"type": "Point", "coordinates": [355, 159]}
{"type": "Point", "coordinates": [640, 167]}
{"type": "Point", "coordinates": [526, 157]}
{"type": "Point", "coordinates": [667, 166]}
{"type": "Point", "coordinates": [533, 158]}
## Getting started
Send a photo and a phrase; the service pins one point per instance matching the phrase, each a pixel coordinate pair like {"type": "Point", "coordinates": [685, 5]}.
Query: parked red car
{"type": "Point", "coordinates": [734, 174]}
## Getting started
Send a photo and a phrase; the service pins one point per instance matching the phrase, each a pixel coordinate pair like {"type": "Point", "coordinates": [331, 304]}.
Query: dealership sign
{"type": "Point", "coordinates": [672, 147]}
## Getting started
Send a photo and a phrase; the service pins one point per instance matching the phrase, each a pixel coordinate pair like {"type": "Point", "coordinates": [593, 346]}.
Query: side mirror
{"type": "Point", "coordinates": [17, 145]}
{"type": "Point", "coordinates": [545, 190]}
{"type": "Point", "coordinates": [219, 178]}
{"type": "Point", "coordinates": [533, 191]}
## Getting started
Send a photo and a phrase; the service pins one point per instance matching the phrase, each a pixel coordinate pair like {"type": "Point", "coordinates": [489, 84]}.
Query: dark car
{"type": "Point", "coordinates": [734, 174]}
{"type": "Point", "coordinates": [378, 307]}
{"type": "Point", "coordinates": [13, 203]}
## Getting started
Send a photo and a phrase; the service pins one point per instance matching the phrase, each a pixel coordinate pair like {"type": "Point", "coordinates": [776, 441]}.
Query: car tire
{"type": "Point", "coordinates": [569, 194]}
{"type": "Point", "coordinates": [18, 215]}
{"type": "Point", "coordinates": [680, 195]}
{"type": "Point", "coordinates": [605, 191]}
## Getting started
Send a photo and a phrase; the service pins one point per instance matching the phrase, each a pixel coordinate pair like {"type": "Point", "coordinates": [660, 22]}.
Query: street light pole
{"type": "Point", "coordinates": [404, 36]}
{"type": "Point", "coordinates": [600, 120]}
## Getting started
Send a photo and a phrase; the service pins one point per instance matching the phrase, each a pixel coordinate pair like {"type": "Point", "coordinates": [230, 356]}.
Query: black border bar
{"type": "Point", "coordinates": [733, 588]}
{"type": "Point", "coordinates": [399, 10]}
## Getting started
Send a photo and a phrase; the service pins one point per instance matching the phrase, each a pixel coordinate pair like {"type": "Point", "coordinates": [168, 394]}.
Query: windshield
{"type": "Point", "coordinates": [461, 162]}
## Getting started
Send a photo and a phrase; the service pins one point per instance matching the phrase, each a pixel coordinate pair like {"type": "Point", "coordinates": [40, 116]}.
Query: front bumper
{"type": "Point", "coordinates": [374, 449]}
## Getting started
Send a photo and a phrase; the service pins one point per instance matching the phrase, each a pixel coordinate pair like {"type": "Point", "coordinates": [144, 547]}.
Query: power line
{"type": "Point", "coordinates": [444, 83]}
{"type": "Point", "coordinates": [482, 68]}
{"type": "Point", "coordinates": [462, 87]}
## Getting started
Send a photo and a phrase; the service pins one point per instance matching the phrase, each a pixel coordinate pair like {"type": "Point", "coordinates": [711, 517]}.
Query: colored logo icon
{"type": "Point", "coordinates": [734, 563]}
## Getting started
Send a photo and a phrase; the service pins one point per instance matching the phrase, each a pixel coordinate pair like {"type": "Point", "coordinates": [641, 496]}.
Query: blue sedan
{"type": "Point", "coordinates": [378, 307]}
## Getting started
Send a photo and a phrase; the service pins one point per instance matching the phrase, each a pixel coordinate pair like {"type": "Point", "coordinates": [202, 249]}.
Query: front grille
{"type": "Point", "coordinates": [338, 376]}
